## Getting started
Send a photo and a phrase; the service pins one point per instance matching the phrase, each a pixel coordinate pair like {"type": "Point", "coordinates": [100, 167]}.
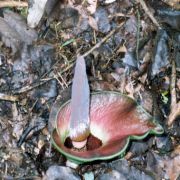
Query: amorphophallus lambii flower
{"type": "Point", "coordinates": [113, 120]}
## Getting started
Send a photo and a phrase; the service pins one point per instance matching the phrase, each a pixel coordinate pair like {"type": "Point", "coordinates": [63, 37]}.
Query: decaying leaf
{"type": "Point", "coordinates": [173, 3]}
{"type": "Point", "coordinates": [129, 60]}
{"type": "Point", "coordinates": [18, 23]}
{"type": "Point", "coordinates": [93, 23]}
{"type": "Point", "coordinates": [60, 172]}
{"type": "Point", "coordinates": [161, 53]}
{"type": "Point", "coordinates": [101, 17]}
{"type": "Point", "coordinates": [9, 36]}
{"type": "Point", "coordinates": [170, 17]}
{"type": "Point", "coordinates": [166, 166]}
{"type": "Point", "coordinates": [14, 31]}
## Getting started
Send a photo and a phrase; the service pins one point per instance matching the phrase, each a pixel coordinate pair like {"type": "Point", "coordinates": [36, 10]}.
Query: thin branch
{"type": "Point", "coordinates": [138, 35]}
{"type": "Point", "coordinates": [13, 4]}
{"type": "Point", "coordinates": [32, 86]}
{"type": "Point", "coordinates": [103, 40]}
{"type": "Point", "coordinates": [148, 12]}
{"type": "Point", "coordinates": [96, 46]}
{"type": "Point", "coordinates": [175, 107]}
{"type": "Point", "coordinates": [173, 85]}
{"type": "Point", "coordinates": [119, 15]}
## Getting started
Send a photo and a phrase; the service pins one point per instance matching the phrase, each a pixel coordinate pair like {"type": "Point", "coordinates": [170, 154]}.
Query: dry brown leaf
{"type": "Point", "coordinates": [130, 89]}
{"type": "Point", "coordinates": [122, 49]}
{"type": "Point", "coordinates": [177, 150]}
{"type": "Point", "coordinates": [173, 3]}
{"type": "Point", "coordinates": [175, 112]}
{"type": "Point", "coordinates": [93, 23]}
{"type": "Point", "coordinates": [92, 6]}
{"type": "Point", "coordinates": [172, 167]}
{"type": "Point", "coordinates": [102, 86]}
{"type": "Point", "coordinates": [178, 84]}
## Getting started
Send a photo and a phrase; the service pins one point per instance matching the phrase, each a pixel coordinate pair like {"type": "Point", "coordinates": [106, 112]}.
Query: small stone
{"type": "Point", "coordinates": [71, 164]}
{"type": "Point", "coordinates": [45, 132]}
{"type": "Point", "coordinates": [1, 59]}
{"type": "Point", "coordinates": [17, 158]}
{"type": "Point", "coordinates": [35, 12]}
{"type": "Point", "coordinates": [17, 130]}
{"type": "Point", "coordinates": [60, 173]}
{"type": "Point", "coordinates": [41, 142]}
{"type": "Point", "coordinates": [113, 175]}
{"type": "Point", "coordinates": [36, 150]}
{"type": "Point", "coordinates": [127, 171]}
{"type": "Point", "coordinates": [88, 176]}
{"type": "Point", "coordinates": [164, 143]}
{"type": "Point", "coordinates": [138, 148]}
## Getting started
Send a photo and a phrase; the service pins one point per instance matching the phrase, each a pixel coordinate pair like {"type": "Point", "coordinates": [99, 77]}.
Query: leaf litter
{"type": "Point", "coordinates": [37, 65]}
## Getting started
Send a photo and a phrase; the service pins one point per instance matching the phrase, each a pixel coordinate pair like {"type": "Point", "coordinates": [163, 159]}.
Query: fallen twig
{"type": "Point", "coordinates": [138, 35]}
{"type": "Point", "coordinates": [175, 107]}
{"type": "Point", "coordinates": [143, 67]}
{"type": "Point", "coordinates": [148, 12]}
{"type": "Point", "coordinates": [6, 97]}
{"type": "Point", "coordinates": [118, 15]}
{"type": "Point", "coordinates": [173, 84]}
{"type": "Point", "coordinates": [13, 4]}
{"type": "Point", "coordinates": [30, 87]}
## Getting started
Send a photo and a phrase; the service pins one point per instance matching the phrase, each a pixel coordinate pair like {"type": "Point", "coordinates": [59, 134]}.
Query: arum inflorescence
{"type": "Point", "coordinates": [106, 123]}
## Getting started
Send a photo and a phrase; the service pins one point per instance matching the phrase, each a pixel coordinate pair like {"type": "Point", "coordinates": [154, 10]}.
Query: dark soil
{"type": "Point", "coordinates": [37, 67]}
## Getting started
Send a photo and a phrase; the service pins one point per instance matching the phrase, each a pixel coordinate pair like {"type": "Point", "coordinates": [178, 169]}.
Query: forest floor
{"type": "Point", "coordinates": [132, 47]}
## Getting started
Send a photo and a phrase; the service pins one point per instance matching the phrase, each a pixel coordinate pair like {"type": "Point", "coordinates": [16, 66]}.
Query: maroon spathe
{"type": "Point", "coordinates": [113, 118]}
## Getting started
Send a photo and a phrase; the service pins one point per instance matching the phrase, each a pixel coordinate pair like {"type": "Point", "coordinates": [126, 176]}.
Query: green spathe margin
{"type": "Point", "coordinates": [157, 131]}
{"type": "Point", "coordinates": [79, 160]}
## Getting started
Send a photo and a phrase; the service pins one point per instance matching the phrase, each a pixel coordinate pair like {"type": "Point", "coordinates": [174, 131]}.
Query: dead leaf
{"type": "Point", "coordinates": [10, 36]}
{"type": "Point", "coordinates": [122, 49]}
{"type": "Point", "coordinates": [166, 166]}
{"type": "Point", "coordinates": [178, 84]}
{"type": "Point", "coordinates": [92, 22]}
{"type": "Point", "coordinates": [102, 86]}
{"type": "Point", "coordinates": [18, 23]}
{"type": "Point", "coordinates": [92, 6]}
{"type": "Point", "coordinates": [130, 89]}
{"type": "Point", "coordinates": [173, 3]}
{"type": "Point", "coordinates": [175, 112]}
{"type": "Point", "coordinates": [161, 58]}
{"type": "Point", "coordinates": [173, 168]}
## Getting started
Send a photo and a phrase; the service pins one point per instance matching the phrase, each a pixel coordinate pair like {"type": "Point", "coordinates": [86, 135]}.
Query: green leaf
{"type": "Point", "coordinates": [68, 42]}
